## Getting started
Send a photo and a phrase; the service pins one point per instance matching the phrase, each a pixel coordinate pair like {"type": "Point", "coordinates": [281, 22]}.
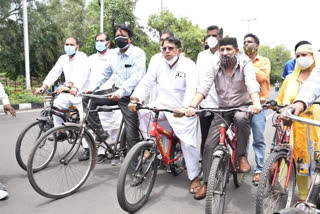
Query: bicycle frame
{"type": "Point", "coordinates": [155, 132]}
{"type": "Point", "coordinates": [226, 142]}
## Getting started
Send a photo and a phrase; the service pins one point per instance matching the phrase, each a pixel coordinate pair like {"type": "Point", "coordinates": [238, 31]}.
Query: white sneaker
{"type": "Point", "coordinates": [3, 194]}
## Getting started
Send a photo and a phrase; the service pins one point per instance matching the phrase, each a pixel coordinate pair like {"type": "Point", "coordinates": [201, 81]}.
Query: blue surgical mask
{"type": "Point", "coordinates": [101, 46]}
{"type": "Point", "coordinates": [70, 50]}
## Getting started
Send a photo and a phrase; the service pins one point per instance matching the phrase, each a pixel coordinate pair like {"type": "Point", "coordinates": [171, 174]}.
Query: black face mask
{"type": "Point", "coordinates": [226, 61]}
{"type": "Point", "coordinates": [206, 47]}
{"type": "Point", "coordinates": [122, 41]}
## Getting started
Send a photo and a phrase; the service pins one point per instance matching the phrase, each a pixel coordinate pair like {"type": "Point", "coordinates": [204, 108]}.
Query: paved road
{"type": "Point", "coordinates": [98, 195]}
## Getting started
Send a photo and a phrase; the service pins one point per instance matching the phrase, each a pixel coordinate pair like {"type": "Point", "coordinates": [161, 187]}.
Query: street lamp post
{"type": "Point", "coordinates": [26, 45]}
{"type": "Point", "coordinates": [101, 15]}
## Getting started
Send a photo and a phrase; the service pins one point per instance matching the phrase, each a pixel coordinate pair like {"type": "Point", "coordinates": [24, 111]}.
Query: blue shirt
{"type": "Point", "coordinates": [128, 69]}
{"type": "Point", "coordinates": [288, 68]}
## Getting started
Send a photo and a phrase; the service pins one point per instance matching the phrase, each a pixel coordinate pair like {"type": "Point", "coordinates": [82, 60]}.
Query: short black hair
{"type": "Point", "coordinates": [123, 27]}
{"type": "Point", "coordinates": [215, 27]}
{"type": "Point", "coordinates": [166, 32]}
{"type": "Point", "coordinates": [303, 42]}
{"type": "Point", "coordinates": [174, 40]}
{"type": "Point", "coordinates": [256, 39]}
{"type": "Point", "coordinates": [102, 33]}
{"type": "Point", "coordinates": [73, 37]}
{"type": "Point", "coordinates": [229, 41]}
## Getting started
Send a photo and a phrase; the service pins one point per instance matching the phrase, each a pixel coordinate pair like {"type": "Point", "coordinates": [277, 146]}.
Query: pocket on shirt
{"type": "Point", "coordinates": [180, 83]}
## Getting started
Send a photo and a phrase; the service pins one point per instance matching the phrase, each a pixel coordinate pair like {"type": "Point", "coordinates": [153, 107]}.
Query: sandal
{"type": "Point", "coordinates": [195, 185]}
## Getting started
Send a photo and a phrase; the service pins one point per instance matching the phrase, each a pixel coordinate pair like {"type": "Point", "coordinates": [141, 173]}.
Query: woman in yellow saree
{"type": "Point", "coordinates": [304, 138]}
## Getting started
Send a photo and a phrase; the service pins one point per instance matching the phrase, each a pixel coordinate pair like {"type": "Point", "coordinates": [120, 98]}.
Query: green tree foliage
{"type": "Point", "coordinates": [278, 57]}
{"type": "Point", "coordinates": [190, 35]}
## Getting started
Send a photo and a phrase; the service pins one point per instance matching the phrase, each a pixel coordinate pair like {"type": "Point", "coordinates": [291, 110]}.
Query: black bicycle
{"type": "Point", "coordinates": [64, 174]}
{"type": "Point", "coordinates": [43, 123]}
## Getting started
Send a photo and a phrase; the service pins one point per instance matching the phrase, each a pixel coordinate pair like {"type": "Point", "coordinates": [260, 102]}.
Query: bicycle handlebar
{"type": "Point", "coordinates": [154, 109]}
{"type": "Point", "coordinates": [219, 110]}
{"type": "Point", "coordinates": [102, 96]}
{"type": "Point", "coordinates": [289, 114]}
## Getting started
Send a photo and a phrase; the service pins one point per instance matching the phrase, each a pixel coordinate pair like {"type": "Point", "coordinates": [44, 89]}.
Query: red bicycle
{"type": "Point", "coordinates": [139, 169]}
{"type": "Point", "coordinates": [224, 161]}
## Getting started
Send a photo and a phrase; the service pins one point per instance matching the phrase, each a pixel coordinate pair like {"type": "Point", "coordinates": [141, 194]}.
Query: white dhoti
{"type": "Point", "coordinates": [186, 129]}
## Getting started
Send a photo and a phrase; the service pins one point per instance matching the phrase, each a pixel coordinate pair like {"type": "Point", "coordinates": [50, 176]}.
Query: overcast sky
{"type": "Point", "coordinates": [276, 21]}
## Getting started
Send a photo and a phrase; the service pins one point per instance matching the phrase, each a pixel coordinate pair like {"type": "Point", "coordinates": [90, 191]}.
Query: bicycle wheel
{"type": "Point", "coordinates": [64, 173]}
{"type": "Point", "coordinates": [216, 190]}
{"type": "Point", "coordinates": [177, 166]}
{"type": "Point", "coordinates": [272, 193]}
{"type": "Point", "coordinates": [27, 139]}
{"type": "Point", "coordinates": [137, 176]}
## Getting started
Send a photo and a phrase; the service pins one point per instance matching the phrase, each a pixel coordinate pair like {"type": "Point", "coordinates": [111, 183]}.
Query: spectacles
{"type": "Point", "coordinates": [168, 48]}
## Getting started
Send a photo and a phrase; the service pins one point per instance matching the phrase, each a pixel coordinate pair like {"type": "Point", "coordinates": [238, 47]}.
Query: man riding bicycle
{"type": "Point", "coordinates": [74, 66]}
{"type": "Point", "coordinates": [236, 86]}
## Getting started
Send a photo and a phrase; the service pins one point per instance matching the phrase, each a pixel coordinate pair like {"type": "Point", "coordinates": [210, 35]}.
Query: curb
{"type": "Point", "coordinates": [24, 106]}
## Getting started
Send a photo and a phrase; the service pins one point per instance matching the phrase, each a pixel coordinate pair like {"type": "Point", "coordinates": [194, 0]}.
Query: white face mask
{"type": "Point", "coordinates": [305, 62]}
{"type": "Point", "coordinates": [212, 42]}
{"type": "Point", "coordinates": [172, 61]}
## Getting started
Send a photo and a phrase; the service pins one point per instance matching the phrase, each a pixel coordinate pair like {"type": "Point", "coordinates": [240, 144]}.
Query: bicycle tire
{"type": "Point", "coordinates": [49, 181]}
{"type": "Point", "coordinates": [137, 174]}
{"type": "Point", "coordinates": [177, 166]}
{"type": "Point", "coordinates": [24, 147]}
{"type": "Point", "coordinates": [238, 177]}
{"type": "Point", "coordinates": [269, 198]}
{"type": "Point", "coordinates": [217, 181]}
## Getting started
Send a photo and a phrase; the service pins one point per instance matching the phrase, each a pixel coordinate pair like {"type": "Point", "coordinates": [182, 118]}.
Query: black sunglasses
{"type": "Point", "coordinates": [168, 48]}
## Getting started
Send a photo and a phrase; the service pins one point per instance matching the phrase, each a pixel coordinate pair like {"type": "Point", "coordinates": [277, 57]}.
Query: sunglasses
{"type": "Point", "coordinates": [168, 48]}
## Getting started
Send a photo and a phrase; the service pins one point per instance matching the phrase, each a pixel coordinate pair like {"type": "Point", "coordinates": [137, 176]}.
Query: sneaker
{"type": "Point", "coordinates": [101, 158]}
{"type": "Point", "coordinates": [3, 191]}
{"type": "Point", "coordinates": [85, 155]}
{"type": "Point", "coordinates": [115, 161]}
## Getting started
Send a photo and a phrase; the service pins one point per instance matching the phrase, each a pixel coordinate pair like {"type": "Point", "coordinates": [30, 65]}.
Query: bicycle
{"type": "Point", "coordinates": [139, 169]}
{"type": "Point", "coordinates": [312, 203]}
{"type": "Point", "coordinates": [64, 174]}
{"type": "Point", "coordinates": [224, 161]}
{"type": "Point", "coordinates": [32, 132]}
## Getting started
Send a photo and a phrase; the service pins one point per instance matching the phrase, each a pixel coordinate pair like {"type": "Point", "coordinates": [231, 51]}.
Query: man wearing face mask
{"type": "Point", "coordinates": [236, 85]}
{"type": "Point", "coordinates": [155, 60]}
{"type": "Point", "coordinates": [127, 65]}
{"type": "Point", "coordinates": [205, 59]}
{"type": "Point", "coordinates": [262, 67]}
{"type": "Point", "coordinates": [110, 120]}
{"type": "Point", "coordinates": [215, 31]}
{"type": "Point", "coordinates": [175, 79]}
{"type": "Point", "coordinates": [74, 66]}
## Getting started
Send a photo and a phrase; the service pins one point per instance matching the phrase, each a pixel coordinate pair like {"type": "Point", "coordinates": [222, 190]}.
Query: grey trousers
{"type": "Point", "coordinates": [242, 122]}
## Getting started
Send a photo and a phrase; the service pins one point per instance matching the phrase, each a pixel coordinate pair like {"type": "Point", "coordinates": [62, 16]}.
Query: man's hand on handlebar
{"type": "Point", "coordinates": [179, 112]}
{"type": "Point", "coordinates": [41, 89]}
{"type": "Point", "coordinates": [132, 106]}
{"type": "Point", "coordinates": [190, 111]}
{"type": "Point", "coordinates": [62, 88]}
{"type": "Point", "coordinates": [115, 96]}
{"type": "Point", "coordinates": [255, 109]}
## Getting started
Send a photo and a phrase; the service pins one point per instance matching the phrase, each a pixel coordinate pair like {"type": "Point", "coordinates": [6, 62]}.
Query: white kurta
{"type": "Point", "coordinates": [75, 70]}
{"type": "Point", "coordinates": [206, 59]}
{"type": "Point", "coordinates": [109, 120]}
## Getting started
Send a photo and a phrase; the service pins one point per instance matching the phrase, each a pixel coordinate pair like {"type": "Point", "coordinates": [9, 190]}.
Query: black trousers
{"type": "Point", "coordinates": [131, 120]}
{"type": "Point", "coordinates": [205, 123]}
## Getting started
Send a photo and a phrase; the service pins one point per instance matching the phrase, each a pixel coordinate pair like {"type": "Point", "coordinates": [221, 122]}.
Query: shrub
{"type": "Point", "coordinates": [25, 97]}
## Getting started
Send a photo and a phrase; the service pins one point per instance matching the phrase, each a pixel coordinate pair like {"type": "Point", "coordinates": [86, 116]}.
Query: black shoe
{"type": "Point", "coordinates": [85, 155]}
{"type": "Point", "coordinates": [61, 136]}
{"type": "Point", "coordinates": [102, 137]}
{"type": "Point", "coordinates": [101, 158]}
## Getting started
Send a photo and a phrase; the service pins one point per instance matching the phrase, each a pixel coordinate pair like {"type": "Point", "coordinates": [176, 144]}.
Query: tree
{"type": "Point", "coordinates": [278, 57]}
{"type": "Point", "coordinates": [191, 36]}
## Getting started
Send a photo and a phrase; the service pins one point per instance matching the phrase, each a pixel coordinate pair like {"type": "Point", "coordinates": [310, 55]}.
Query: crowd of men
{"type": "Point", "coordinates": [222, 77]}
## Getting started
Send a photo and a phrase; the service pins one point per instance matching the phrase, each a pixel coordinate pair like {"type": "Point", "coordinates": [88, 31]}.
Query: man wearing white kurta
{"type": "Point", "coordinates": [74, 66]}
{"type": "Point", "coordinates": [97, 62]}
{"type": "Point", "coordinates": [175, 78]}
